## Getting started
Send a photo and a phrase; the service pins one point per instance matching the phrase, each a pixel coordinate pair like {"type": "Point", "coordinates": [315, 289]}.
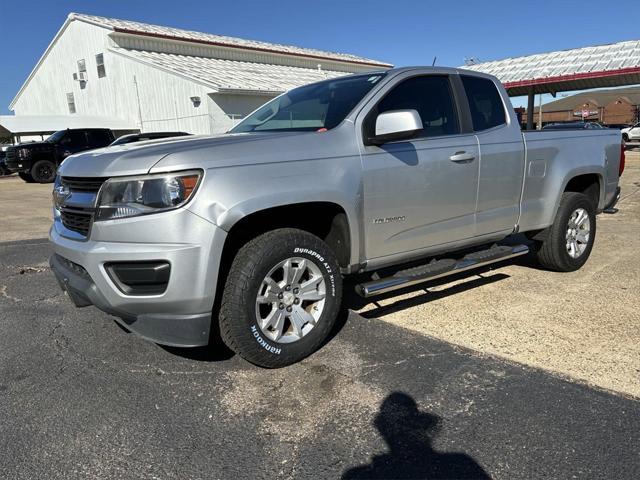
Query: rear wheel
{"type": "Point", "coordinates": [568, 242]}
{"type": "Point", "coordinates": [281, 298]}
{"type": "Point", "coordinates": [26, 177]}
{"type": "Point", "coordinates": [43, 171]}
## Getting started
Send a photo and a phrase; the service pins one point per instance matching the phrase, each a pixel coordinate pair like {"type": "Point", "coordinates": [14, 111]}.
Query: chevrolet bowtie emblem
{"type": "Point", "coordinates": [60, 195]}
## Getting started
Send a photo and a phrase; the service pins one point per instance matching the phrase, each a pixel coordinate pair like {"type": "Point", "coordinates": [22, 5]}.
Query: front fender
{"type": "Point", "coordinates": [229, 194]}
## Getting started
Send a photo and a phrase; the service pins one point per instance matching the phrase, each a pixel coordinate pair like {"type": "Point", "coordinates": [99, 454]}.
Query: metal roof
{"type": "Point", "coordinates": [230, 76]}
{"type": "Point", "coordinates": [599, 66]}
{"type": "Point", "coordinates": [145, 29]}
{"type": "Point", "coordinates": [37, 124]}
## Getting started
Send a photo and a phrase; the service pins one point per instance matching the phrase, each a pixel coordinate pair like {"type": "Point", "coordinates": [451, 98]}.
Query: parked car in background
{"type": "Point", "coordinates": [38, 161]}
{"type": "Point", "coordinates": [631, 134]}
{"type": "Point", "coordinates": [573, 126]}
{"type": "Point", "coordinates": [141, 137]}
{"type": "Point", "coordinates": [618, 126]}
{"type": "Point", "coordinates": [403, 175]}
{"type": "Point", "coordinates": [3, 164]}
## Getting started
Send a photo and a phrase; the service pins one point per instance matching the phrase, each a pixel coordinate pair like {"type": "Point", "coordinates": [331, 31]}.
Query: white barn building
{"type": "Point", "coordinates": [153, 78]}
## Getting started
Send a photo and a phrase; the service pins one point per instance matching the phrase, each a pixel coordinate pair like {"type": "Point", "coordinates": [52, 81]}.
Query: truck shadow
{"type": "Point", "coordinates": [216, 351]}
{"type": "Point", "coordinates": [409, 434]}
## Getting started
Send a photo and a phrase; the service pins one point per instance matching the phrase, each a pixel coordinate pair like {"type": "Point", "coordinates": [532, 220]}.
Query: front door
{"type": "Point", "coordinates": [420, 193]}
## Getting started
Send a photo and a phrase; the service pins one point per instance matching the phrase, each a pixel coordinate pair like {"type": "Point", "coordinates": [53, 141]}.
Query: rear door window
{"type": "Point", "coordinates": [98, 138]}
{"type": "Point", "coordinates": [485, 103]}
{"type": "Point", "coordinates": [75, 138]}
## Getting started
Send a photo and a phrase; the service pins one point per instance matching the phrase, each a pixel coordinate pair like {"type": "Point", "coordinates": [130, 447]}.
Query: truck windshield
{"type": "Point", "coordinates": [313, 107]}
{"type": "Point", "coordinates": [55, 137]}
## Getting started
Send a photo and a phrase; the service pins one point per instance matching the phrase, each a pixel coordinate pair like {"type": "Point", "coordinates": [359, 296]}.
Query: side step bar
{"type": "Point", "coordinates": [439, 268]}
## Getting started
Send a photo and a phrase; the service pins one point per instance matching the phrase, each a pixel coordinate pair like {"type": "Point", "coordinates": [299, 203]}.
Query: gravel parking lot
{"type": "Point", "coordinates": [494, 375]}
{"type": "Point", "coordinates": [585, 324]}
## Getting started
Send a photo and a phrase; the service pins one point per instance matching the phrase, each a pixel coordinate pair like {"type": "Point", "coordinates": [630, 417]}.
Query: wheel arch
{"type": "Point", "coordinates": [582, 180]}
{"type": "Point", "coordinates": [327, 220]}
{"type": "Point", "coordinates": [589, 184]}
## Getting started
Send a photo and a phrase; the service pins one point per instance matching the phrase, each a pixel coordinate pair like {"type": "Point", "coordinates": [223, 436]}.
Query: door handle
{"type": "Point", "coordinates": [462, 157]}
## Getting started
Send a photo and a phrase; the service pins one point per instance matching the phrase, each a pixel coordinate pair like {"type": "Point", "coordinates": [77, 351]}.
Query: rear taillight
{"type": "Point", "coordinates": [622, 160]}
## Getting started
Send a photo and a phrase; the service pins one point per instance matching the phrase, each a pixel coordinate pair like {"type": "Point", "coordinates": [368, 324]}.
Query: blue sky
{"type": "Point", "coordinates": [397, 31]}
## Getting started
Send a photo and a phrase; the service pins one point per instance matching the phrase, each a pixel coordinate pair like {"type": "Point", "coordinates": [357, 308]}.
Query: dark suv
{"type": "Point", "coordinates": [38, 161]}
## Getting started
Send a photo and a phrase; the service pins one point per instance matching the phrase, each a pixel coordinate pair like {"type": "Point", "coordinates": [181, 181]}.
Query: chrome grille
{"type": "Point", "coordinates": [10, 158]}
{"type": "Point", "coordinates": [77, 214]}
{"type": "Point", "coordinates": [83, 184]}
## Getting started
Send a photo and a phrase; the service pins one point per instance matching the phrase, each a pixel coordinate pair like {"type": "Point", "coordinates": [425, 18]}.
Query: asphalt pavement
{"type": "Point", "coordinates": [81, 398]}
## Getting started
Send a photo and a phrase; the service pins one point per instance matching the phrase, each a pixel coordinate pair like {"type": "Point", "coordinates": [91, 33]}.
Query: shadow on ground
{"type": "Point", "coordinates": [409, 434]}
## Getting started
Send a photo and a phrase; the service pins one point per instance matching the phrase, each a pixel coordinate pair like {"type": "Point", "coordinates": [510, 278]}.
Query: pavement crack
{"type": "Point", "coordinates": [3, 293]}
{"type": "Point", "coordinates": [59, 346]}
{"type": "Point", "coordinates": [623, 198]}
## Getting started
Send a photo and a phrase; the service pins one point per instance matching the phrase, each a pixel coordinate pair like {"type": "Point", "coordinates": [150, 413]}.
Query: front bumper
{"type": "Point", "coordinates": [181, 315]}
{"type": "Point", "coordinates": [15, 164]}
{"type": "Point", "coordinates": [19, 165]}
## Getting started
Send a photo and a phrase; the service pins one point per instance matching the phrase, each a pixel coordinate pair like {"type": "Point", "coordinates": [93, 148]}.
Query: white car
{"type": "Point", "coordinates": [631, 134]}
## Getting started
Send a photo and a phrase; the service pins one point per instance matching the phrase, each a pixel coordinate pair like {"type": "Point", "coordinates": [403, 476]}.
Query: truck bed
{"type": "Point", "coordinates": [552, 158]}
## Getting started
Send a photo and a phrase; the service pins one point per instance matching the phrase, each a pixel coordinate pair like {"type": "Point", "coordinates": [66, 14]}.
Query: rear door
{"type": "Point", "coordinates": [501, 161]}
{"type": "Point", "coordinates": [420, 192]}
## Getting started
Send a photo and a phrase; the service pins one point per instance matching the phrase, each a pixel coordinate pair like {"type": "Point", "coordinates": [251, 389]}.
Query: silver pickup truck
{"type": "Point", "coordinates": [400, 176]}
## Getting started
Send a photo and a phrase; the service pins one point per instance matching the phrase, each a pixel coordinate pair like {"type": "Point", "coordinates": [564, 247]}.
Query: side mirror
{"type": "Point", "coordinates": [396, 125]}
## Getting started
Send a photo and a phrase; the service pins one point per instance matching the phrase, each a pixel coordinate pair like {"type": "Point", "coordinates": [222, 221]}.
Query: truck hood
{"type": "Point", "coordinates": [40, 146]}
{"type": "Point", "coordinates": [140, 157]}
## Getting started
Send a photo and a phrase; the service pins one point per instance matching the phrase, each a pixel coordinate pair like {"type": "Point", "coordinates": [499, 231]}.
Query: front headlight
{"type": "Point", "coordinates": [133, 196]}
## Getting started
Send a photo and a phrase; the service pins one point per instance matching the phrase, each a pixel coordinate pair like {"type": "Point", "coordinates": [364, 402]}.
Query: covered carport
{"type": "Point", "coordinates": [602, 66]}
{"type": "Point", "coordinates": [18, 128]}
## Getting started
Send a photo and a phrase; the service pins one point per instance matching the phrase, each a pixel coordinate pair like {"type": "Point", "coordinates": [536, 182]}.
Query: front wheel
{"type": "Point", "coordinates": [625, 138]}
{"type": "Point", "coordinates": [568, 242]}
{"type": "Point", "coordinates": [281, 298]}
{"type": "Point", "coordinates": [43, 171]}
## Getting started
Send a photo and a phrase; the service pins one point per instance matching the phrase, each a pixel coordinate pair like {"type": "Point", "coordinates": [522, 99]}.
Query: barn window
{"type": "Point", "coordinates": [100, 65]}
{"type": "Point", "coordinates": [82, 73]}
{"type": "Point", "coordinates": [71, 102]}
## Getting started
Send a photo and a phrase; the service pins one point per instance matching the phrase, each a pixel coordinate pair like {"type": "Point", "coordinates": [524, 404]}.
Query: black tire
{"type": "Point", "coordinates": [552, 251]}
{"type": "Point", "coordinates": [625, 138]}
{"type": "Point", "coordinates": [43, 171]}
{"type": "Point", "coordinates": [239, 327]}
{"type": "Point", "coordinates": [26, 177]}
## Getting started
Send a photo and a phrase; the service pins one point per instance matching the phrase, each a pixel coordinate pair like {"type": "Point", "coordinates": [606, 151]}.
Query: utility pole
{"type": "Point", "coordinates": [540, 113]}
{"type": "Point", "coordinates": [531, 101]}
{"type": "Point", "coordinates": [135, 82]}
